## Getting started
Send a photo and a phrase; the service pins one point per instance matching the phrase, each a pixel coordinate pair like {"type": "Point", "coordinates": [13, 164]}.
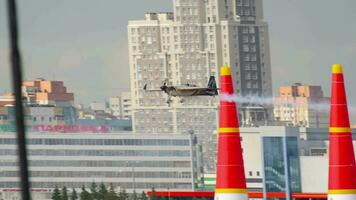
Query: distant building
{"type": "Point", "coordinates": [121, 106]}
{"type": "Point", "coordinates": [7, 99]}
{"type": "Point", "coordinates": [115, 106]}
{"type": "Point", "coordinates": [126, 105]}
{"type": "Point", "coordinates": [98, 106]}
{"type": "Point", "coordinates": [129, 161]}
{"type": "Point", "coordinates": [36, 115]}
{"type": "Point", "coordinates": [302, 105]}
{"type": "Point", "coordinates": [113, 125]}
{"type": "Point", "coordinates": [253, 115]}
{"type": "Point", "coordinates": [46, 92]}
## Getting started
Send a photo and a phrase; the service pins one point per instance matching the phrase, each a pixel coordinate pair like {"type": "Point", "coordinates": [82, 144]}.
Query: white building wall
{"type": "Point", "coordinates": [74, 159]}
{"type": "Point", "coordinates": [314, 176]}
{"type": "Point", "coordinates": [126, 105]}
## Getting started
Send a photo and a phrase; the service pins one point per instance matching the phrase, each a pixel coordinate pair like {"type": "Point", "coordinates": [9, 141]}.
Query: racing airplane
{"type": "Point", "coordinates": [187, 89]}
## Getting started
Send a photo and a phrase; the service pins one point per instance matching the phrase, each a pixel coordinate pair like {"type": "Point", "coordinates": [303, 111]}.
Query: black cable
{"type": "Point", "coordinates": [17, 82]}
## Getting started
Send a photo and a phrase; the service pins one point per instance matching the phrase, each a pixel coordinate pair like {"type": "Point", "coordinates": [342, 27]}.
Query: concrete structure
{"type": "Point", "coordinates": [46, 92]}
{"type": "Point", "coordinates": [302, 105]}
{"type": "Point", "coordinates": [130, 161]}
{"type": "Point", "coordinates": [188, 46]}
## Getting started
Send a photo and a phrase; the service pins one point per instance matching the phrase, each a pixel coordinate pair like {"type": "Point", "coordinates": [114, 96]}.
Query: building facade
{"type": "Point", "coordinates": [187, 47]}
{"type": "Point", "coordinates": [121, 106]}
{"type": "Point", "coordinates": [47, 92]}
{"type": "Point", "coordinates": [284, 159]}
{"type": "Point", "coordinates": [39, 115]}
{"type": "Point", "coordinates": [7, 99]}
{"type": "Point", "coordinates": [129, 161]}
{"type": "Point", "coordinates": [302, 105]}
{"type": "Point", "coordinates": [126, 105]}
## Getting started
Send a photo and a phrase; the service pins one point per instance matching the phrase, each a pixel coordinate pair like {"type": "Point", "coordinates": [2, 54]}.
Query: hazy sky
{"type": "Point", "coordinates": [83, 42]}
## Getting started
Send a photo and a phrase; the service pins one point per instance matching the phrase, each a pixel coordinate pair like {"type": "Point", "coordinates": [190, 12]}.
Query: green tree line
{"type": "Point", "coordinates": [99, 192]}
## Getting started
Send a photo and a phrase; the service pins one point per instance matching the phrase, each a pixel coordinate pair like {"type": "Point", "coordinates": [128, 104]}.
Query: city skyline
{"type": "Point", "coordinates": [306, 46]}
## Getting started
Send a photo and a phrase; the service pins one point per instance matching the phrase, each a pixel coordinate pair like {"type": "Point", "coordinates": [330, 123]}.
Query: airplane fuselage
{"type": "Point", "coordinates": [191, 91]}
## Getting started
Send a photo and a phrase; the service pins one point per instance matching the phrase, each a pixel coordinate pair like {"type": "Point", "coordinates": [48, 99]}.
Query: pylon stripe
{"type": "Point", "coordinates": [228, 130]}
{"type": "Point", "coordinates": [339, 129]}
{"type": "Point", "coordinates": [352, 191]}
{"type": "Point", "coordinates": [231, 190]}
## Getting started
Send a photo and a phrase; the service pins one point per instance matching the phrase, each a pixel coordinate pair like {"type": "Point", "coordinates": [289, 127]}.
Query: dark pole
{"type": "Point", "coordinates": [17, 82]}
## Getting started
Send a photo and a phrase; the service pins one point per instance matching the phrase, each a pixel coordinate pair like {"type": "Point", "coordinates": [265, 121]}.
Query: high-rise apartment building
{"type": "Point", "coordinates": [188, 46]}
{"type": "Point", "coordinates": [47, 92]}
{"type": "Point", "coordinates": [302, 105]}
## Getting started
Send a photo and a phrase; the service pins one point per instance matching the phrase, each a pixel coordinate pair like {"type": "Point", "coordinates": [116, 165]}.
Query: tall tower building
{"type": "Point", "coordinates": [188, 46]}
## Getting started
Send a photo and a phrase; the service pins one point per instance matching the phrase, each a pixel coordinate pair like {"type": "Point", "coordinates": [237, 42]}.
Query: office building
{"type": "Point", "coordinates": [128, 161]}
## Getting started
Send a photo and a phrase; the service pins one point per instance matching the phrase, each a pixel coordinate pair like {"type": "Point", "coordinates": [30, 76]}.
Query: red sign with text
{"type": "Point", "coordinates": [72, 128]}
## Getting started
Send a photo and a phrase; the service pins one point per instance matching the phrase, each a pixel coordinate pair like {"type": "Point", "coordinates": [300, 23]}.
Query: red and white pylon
{"type": "Point", "coordinates": [342, 167]}
{"type": "Point", "coordinates": [230, 180]}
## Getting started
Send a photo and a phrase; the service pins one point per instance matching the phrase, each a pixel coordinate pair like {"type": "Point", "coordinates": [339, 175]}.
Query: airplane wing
{"type": "Point", "coordinates": [189, 88]}
{"type": "Point", "coordinates": [151, 90]}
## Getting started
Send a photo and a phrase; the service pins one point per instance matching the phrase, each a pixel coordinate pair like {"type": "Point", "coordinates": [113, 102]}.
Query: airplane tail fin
{"type": "Point", "coordinates": [212, 84]}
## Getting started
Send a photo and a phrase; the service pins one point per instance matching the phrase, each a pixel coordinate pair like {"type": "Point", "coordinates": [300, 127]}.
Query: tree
{"type": "Point", "coordinates": [74, 195]}
{"type": "Point", "coordinates": [94, 190]}
{"type": "Point", "coordinates": [111, 195]}
{"type": "Point", "coordinates": [134, 195]}
{"type": "Point", "coordinates": [123, 195]}
{"type": "Point", "coordinates": [143, 196]}
{"type": "Point", "coordinates": [64, 193]}
{"type": "Point", "coordinates": [85, 195]}
{"type": "Point", "coordinates": [56, 194]}
{"type": "Point", "coordinates": [102, 191]}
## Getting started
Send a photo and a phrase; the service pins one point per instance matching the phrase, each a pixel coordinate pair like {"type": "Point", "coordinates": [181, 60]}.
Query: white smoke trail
{"type": "Point", "coordinates": [269, 101]}
{"type": "Point", "coordinates": [246, 99]}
